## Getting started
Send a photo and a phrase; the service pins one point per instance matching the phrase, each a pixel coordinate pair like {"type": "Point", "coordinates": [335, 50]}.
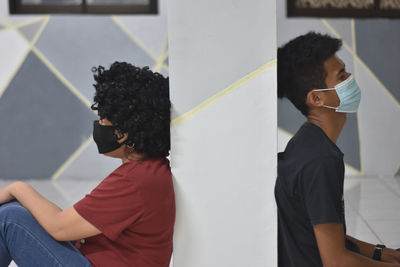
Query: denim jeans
{"type": "Point", "coordinates": [23, 240]}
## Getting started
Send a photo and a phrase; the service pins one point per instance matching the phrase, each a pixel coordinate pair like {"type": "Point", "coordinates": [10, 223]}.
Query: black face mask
{"type": "Point", "coordinates": [105, 138]}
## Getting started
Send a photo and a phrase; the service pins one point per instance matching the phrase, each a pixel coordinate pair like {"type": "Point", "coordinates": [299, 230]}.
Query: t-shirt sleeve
{"type": "Point", "coordinates": [113, 205]}
{"type": "Point", "coordinates": [322, 187]}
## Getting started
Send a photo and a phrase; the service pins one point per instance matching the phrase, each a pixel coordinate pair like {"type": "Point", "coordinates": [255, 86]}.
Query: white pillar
{"type": "Point", "coordinates": [223, 88]}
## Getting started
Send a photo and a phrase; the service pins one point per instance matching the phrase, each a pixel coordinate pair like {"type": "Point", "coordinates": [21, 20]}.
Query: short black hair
{"type": "Point", "coordinates": [136, 101]}
{"type": "Point", "coordinates": [301, 66]}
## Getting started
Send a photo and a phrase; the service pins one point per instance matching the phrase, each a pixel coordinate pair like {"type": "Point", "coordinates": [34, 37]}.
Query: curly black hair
{"type": "Point", "coordinates": [301, 66]}
{"type": "Point", "coordinates": [136, 101]}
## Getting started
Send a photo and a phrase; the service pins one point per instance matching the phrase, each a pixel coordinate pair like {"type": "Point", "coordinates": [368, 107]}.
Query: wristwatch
{"type": "Point", "coordinates": [378, 252]}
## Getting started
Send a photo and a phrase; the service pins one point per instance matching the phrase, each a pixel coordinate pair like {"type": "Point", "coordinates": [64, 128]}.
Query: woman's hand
{"type": "Point", "coordinates": [6, 193]}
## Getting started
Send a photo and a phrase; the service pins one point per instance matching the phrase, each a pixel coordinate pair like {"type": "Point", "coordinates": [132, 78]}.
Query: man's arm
{"type": "Point", "coordinates": [367, 249]}
{"type": "Point", "coordinates": [61, 225]}
{"type": "Point", "coordinates": [331, 246]}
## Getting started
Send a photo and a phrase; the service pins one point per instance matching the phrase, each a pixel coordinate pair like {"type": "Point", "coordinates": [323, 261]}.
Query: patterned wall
{"type": "Point", "coordinates": [46, 87]}
{"type": "Point", "coordinates": [370, 139]}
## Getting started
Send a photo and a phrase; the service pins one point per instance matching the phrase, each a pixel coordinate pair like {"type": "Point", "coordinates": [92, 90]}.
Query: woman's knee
{"type": "Point", "coordinates": [13, 211]}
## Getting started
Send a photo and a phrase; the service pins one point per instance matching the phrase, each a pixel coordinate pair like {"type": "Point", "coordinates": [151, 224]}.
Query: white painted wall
{"type": "Point", "coordinates": [223, 150]}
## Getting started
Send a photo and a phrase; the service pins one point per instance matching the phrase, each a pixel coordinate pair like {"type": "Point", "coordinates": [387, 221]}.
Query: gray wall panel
{"type": "Point", "coordinates": [378, 42]}
{"type": "Point", "coordinates": [68, 47]}
{"type": "Point", "coordinates": [44, 122]}
{"type": "Point", "coordinates": [75, 44]}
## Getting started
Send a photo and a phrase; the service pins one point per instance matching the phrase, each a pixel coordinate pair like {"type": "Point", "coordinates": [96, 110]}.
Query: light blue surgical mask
{"type": "Point", "coordinates": [349, 95]}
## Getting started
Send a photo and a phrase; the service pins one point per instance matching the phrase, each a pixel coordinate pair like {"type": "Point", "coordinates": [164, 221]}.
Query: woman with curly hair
{"type": "Point", "coordinates": [128, 219]}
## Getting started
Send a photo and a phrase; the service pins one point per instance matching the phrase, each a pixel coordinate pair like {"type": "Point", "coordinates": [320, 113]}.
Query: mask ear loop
{"type": "Point", "coordinates": [335, 108]}
{"type": "Point", "coordinates": [326, 89]}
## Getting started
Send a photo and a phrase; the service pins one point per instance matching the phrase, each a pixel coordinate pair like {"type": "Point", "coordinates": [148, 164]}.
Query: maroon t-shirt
{"type": "Point", "coordinates": [134, 208]}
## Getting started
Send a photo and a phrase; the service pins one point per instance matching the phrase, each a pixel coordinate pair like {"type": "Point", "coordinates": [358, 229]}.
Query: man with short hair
{"type": "Point", "coordinates": [309, 186]}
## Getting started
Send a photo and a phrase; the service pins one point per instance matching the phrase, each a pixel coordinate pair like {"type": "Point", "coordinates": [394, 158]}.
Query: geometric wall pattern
{"type": "Point", "coordinates": [45, 123]}
{"type": "Point", "coordinates": [62, 49]}
{"type": "Point", "coordinates": [369, 139]}
{"type": "Point", "coordinates": [46, 87]}
{"type": "Point", "coordinates": [384, 61]}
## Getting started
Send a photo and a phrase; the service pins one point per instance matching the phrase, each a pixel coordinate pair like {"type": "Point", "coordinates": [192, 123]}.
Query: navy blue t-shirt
{"type": "Point", "coordinates": [308, 191]}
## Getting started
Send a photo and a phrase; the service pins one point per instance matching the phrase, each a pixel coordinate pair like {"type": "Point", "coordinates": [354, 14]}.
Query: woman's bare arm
{"type": "Point", "coordinates": [62, 225]}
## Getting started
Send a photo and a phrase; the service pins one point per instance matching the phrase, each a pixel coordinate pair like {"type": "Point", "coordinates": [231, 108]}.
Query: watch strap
{"type": "Point", "coordinates": [378, 252]}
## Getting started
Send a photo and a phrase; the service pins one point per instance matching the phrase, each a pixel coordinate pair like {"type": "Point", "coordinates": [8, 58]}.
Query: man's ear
{"type": "Point", "coordinates": [314, 99]}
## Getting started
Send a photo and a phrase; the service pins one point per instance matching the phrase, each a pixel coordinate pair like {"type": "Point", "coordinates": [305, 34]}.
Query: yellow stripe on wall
{"type": "Point", "coordinates": [223, 93]}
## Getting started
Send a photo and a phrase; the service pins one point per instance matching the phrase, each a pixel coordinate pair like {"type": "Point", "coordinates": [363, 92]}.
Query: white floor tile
{"type": "Point", "coordinates": [368, 237]}
{"type": "Point", "coordinates": [357, 226]}
{"type": "Point", "coordinates": [386, 226]}
{"type": "Point", "coordinates": [390, 240]}
{"type": "Point", "coordinates": [393, 183]}
{"type": "Point", "coordinates": [372, 209]}
{"type": "Point", "coordinates": [351, 214]}
{"type": "Point", "coordinates": [372, 204]}
{"type": "Point", "coordinates": [388, 231]}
